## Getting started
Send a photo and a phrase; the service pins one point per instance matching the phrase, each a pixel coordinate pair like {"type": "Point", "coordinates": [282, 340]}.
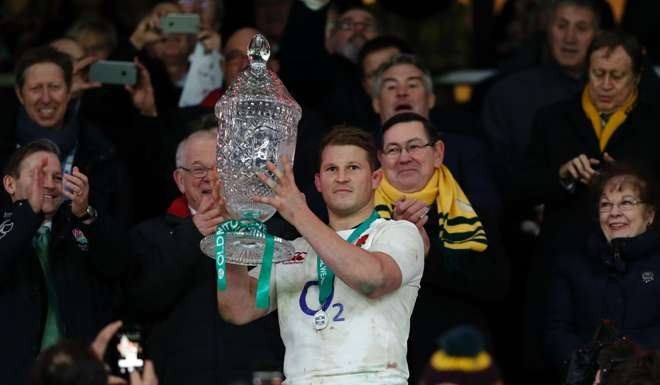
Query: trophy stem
{"type": "Point", "coordinates": [244, 243]}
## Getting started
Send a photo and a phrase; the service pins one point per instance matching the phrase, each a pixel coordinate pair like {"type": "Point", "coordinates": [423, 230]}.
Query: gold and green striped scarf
{"type": "Point", "coordinates": [460, 227]}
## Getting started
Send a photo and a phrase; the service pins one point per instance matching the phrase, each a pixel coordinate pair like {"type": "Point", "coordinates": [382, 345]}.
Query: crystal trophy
{"type": "Point", "coordinates": [257, 123]}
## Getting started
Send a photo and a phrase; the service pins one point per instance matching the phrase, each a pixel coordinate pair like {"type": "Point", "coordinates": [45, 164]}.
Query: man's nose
{"type": "Point", "coordinates": [342, 176]}
{"type": "Point", "coordinates": [49, 181]}
{"type": "Point", "coordinates": [570, 35]}
{"type": "Point", "coordinates": [44, 95]}
{"type": "Point", "coordinates": [405, 155]}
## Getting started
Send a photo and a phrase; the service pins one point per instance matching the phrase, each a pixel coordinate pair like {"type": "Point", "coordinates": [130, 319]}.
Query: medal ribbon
{"type": "Point", "coordinates": [325, 275]}
{"type": "Point", "coordinates": [251, 227]}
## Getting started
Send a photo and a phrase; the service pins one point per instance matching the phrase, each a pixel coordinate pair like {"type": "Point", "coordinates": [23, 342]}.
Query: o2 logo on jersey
{"type": "Point", "coordinates": [337, 308]}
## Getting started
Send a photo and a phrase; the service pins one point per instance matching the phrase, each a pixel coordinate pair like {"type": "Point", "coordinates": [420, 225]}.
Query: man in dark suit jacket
{"type": "Point", "coordinates": [58, 262]}
{"type": "Point", "coordinates": [173, 290]}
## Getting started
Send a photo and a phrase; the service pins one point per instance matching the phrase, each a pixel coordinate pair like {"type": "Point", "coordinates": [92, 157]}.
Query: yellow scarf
{"type": "Point", "coordinates": [460, 227]}
{"type": "Point", "coordinates": [618, 117]}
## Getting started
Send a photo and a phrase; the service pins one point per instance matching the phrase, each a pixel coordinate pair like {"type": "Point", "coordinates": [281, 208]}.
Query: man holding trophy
{"type": "Point", "coordinates": [352, 329]}
{"type": "Point", "coordinates": [348, 329]}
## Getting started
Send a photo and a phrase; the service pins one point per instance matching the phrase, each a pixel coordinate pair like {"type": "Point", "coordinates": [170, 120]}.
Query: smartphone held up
{"type": "Point", "coordinates": [113, 72]}
{"type": "Point", "coordinates": [188, 23]}
{"type": "Point", "coordinates": [126, 351]}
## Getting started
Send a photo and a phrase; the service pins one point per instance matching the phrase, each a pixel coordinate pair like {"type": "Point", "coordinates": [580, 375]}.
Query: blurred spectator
{"type": "Point", "coordinates": [535, 50]}
{"type": "Point", "coordinates": [69, 363]}
{"type": "Point", "coordinates": [572, 139]}
{"type": "Point", "coordinates": [171, 49]}
{"type": "Point", "coordinates": [510, 105]}
{"type": "Point", "coordinates": [611, 275]}
{"type": "Point", "coordinates": [461, 359]}
{"type": "Point", "coordinates": [342, 107]}
{"type": "Point", "coordinates": [81, 64]}
{"type": "Point", "coordinates": [374, 53]}
{"type": "Point", "coordinates": [28, 23]}
{"type": "Point", "coordinates": [319, 50]}
{"type": "Point", "coordinates": [210, 12]}
{"type": "Point", "coordinates": [74, 363]}
{"type": "Point", "coordinates": [270, 16]}
{"type": "Point", "coordinates": [234, 60]}
{"type": "Point", "coordinates": [515, 24]}
{"type": "Point", "coordinates": [166, 56]}
{"type": "Point", "coordinates": [60, 258]}
{"type": "Point", "coordinates": [97, 37]}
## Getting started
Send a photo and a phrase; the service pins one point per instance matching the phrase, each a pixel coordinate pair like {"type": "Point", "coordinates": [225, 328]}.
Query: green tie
{"type": "Point", "coordinates": [51, 329]}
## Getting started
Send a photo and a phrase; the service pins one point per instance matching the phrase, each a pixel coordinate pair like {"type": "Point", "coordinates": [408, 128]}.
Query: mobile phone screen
{"type": "Point", "coordinates": [113, 72]}
{"type": "Point", "coordinates": [180, 23]}
{"type": "Point", "coordinates": [126, 351]}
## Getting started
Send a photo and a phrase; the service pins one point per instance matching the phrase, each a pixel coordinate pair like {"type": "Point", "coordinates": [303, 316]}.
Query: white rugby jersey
{"type": "Point", "coordinates": [365, 339]}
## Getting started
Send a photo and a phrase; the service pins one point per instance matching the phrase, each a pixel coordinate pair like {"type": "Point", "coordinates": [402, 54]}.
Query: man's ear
{"type": "Point", "coordinates": [317, 182]}
{"type": "Point", "coordinates": [431, 100]}
{"type": "Point", "coordinates": [365, 87]}
{"type": "Point", "coordinates": [18, 95]}
{"type": "Point", "coordinates": [650, 217]}
{"type": "Point", "coordinates": [439, 156]}
{"type": "Point", "coordinates": [331, 19]}
{"type": "Point", "coordinates": [376, 177]}
{"type": "Point", "coordinates": [177, 175]}
{"type": "Point", "coordinates": [9, 183]}
{"type": "Point", "coordinates": [375, 104]}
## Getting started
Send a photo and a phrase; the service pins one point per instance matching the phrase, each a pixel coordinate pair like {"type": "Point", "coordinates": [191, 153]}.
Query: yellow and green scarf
{"type": "Point", "coordinates": [460, 227]}
{"type": "Point", "coordinates": [618, 117]}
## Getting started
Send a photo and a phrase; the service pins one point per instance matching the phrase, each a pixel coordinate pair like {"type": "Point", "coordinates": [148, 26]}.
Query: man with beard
{"type": "Point", "coordinates": [319, 50]}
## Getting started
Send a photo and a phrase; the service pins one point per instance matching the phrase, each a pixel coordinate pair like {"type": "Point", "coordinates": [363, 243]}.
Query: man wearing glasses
{"type": "Point", "coordinates": [461, 266]}
{"type": "Point", "coordinates": [172, 291]}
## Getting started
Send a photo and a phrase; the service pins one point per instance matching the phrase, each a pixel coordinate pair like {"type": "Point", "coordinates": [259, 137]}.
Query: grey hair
{"type": "Point", "coordinates": [401, 58]}
{"type": "Point", "coordinates": [592, 5]}
{"type": "Point", "coordinates": [182, 147]}
{"type": "Point", "coordinates": [101, 27]}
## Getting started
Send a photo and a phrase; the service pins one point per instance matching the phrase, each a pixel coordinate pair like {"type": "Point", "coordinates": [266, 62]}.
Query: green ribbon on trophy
{"type": "Point", "coordinates": [254, 228]}
{"type": "Point", "coordinates": [325, 275]}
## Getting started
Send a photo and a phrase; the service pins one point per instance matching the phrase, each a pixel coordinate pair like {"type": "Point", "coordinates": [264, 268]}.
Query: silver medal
{"type": "Point", "coordinates": [320, 320]}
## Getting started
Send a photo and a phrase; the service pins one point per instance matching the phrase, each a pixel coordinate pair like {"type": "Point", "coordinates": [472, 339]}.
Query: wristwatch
{"type": "Point", "coordinates": [90, 213]}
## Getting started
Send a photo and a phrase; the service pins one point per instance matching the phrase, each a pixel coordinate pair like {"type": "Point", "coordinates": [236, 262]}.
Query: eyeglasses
{"type": "Point", "coordinates": [413, 148]}
{"type": "Point", "coordinates": [350, 25]}
{"type": "Point", "coordinates": [624, 205]}
{"type": "Point", "coordinates": [198, 171]}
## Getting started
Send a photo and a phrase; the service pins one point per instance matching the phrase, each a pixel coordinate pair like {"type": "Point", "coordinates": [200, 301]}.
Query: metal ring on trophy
{"type": "Point", "coordinates": [235, 255]}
